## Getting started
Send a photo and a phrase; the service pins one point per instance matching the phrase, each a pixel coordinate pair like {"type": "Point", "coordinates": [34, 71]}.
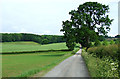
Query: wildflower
{"type": "Point", "coordinates": [112, 63]}
{"type": "Point", "coordinates": [113, 68]}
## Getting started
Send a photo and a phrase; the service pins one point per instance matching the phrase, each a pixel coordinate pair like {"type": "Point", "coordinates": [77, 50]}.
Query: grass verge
{"type": "Point", "coordinates": [100, 67]}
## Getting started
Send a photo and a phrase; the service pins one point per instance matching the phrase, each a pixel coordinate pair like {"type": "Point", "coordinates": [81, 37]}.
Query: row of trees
{"type": "Point", "coordinates": [42, 39]}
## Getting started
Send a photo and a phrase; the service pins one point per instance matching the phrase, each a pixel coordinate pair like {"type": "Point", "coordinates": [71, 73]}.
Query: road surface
{"type": "Point", "coordinates": [73, 66]}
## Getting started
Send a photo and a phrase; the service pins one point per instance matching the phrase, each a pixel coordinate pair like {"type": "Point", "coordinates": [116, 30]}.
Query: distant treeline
{"type": "Point", "coordinates": [41, 39]}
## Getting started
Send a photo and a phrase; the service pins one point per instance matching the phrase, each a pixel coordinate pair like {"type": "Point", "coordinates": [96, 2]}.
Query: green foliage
{"type": "Point", "coordinates": [111, 42]}
{"type": "Point", "coordinates": [85, 36]}
{"type": "Point", "coordinates": [97, 43]}
{"type": "Point", "coordinates": [117, 41]}
{"type": "Point", "coordinates": [84, 21]}
{"type": "Point", "coordinates": [105, 42]}
{"type": "Point", "coordinates": [101, 38]}
{"type": "Point", "coordinates": [45, 41]}
{"type": "Point", "coordinates": [41, 39]}
{"type": "Point", "coordinates": [105, 51]}
{"type": "Point", "coordinates": [104, 67]}
{"type": "Point", "coordinates": [70, 44]}
{"type": "Point", "coordinates": [69, 35]}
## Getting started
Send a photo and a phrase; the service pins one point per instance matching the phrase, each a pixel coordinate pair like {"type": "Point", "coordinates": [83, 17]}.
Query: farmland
{"type": "Point", "coordinates": [29, 64]}
{"type": "Point", "coordinates": [8, 47]}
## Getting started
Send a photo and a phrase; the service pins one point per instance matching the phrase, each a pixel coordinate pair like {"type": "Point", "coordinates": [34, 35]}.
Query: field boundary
{"type": "Point", "coordinates": [23, 52]}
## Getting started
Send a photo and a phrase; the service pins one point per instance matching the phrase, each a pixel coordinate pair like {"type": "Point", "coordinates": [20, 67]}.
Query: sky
{"type": "Point", "coordinates": [45, 16]}
{"type": "Point", "coordinates": [119, 18]}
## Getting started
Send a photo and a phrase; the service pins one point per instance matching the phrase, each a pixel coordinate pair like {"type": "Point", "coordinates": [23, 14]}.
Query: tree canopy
{"type": "Point", "coordinates": [41, 39]}
{"type": "Point", "coordinates": [90, 20]}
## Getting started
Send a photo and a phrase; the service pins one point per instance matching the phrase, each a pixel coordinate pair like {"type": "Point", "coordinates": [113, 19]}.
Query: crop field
{"type": "Point", "coordinates": [8, 47]}
{"type": "Point", "coordinates": [29, 64]}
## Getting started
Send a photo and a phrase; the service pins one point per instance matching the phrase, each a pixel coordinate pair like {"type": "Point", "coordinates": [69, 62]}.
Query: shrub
{"type": "Point", "coordinates": [111, 42]}
{"type": "Point", "coordinates": [97, 43]}
{"type": "Point", "coordinates": [105, 51]}
{"type": "Point", "coordinates": [45, 41]}
{"type": "Point", "coordinates": [105, 43]}
{"type": "Point", "coordinates": [104, 67]}
{"type": "Point", "coordinates": [117, 41]}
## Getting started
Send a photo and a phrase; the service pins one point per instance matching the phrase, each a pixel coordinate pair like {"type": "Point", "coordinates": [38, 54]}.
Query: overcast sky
{"type": "Point", "coordinates": [45, 16]}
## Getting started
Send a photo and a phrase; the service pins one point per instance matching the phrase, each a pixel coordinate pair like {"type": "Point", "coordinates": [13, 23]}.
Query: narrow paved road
{"type": "Point", "coordinates": [73, 66]}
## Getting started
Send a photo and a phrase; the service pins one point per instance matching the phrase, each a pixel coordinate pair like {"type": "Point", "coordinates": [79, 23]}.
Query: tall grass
{"type": "Point", "coordinates": [104, 67]}
{"type": "Point", "coordinates": [103, 60]}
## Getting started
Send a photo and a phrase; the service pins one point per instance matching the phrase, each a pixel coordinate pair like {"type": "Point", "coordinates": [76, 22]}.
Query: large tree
{"type": "Point", "coordinates": [90, 20]}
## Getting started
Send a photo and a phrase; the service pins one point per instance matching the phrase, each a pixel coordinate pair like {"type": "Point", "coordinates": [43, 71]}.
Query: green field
{"type": "Point", "coordinates": [15, 65]}
{"type": "Point", "coordinates": [8, 47]}
{"type": "Point", "coordinates": [29, 64]}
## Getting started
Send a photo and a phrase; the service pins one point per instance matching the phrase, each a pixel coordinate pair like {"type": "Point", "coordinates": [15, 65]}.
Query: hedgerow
{"type": "Point", "coordinates": [105, 51]}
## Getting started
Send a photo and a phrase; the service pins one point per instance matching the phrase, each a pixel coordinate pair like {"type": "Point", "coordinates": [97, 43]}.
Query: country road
{"type": "Point", "coordinates": [73, 66]}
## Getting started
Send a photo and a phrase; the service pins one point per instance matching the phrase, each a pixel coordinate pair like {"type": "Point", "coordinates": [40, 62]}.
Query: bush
{"type": "Point", "coordinates": [97, 43]}
{"type": "Point", "coordinates": [111, 42]}
{"type": "Point", "coordinates": [105, 51]}
{"type": "Point", "coordinates": [117, 41]}
{"type": "Point", "coordinates": [105, 43]}
{"type": "Point", "coordinates": [45, 41]}
{"type": "Point", "coordinates": [97, 67]}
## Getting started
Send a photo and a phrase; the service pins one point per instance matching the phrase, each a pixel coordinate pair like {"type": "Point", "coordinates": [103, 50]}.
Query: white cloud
{"type": "Point", "coordinates": [42, 16]}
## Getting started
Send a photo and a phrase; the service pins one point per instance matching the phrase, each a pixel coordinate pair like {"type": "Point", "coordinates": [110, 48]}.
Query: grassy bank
{"type": "Point", "coordinates": [101, 67]}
